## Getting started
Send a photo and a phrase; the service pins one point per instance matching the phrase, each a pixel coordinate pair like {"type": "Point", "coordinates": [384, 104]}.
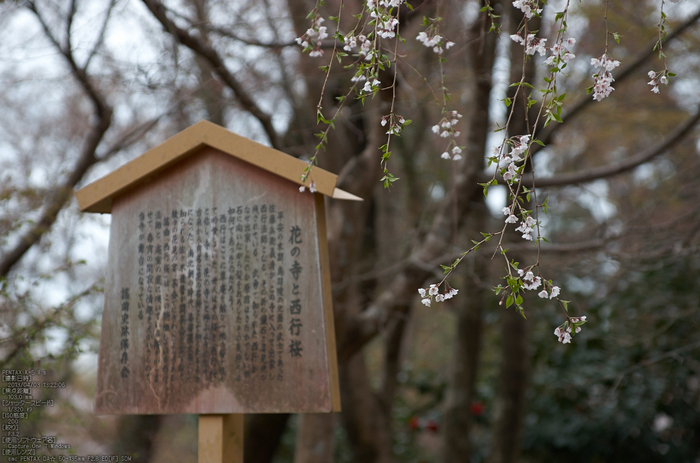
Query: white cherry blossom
{"type": "Point", "coordinates": [526, 6]}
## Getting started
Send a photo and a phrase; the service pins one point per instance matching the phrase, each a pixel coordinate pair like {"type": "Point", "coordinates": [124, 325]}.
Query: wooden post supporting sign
{"type": "Point", "coordinates": [220, 438]}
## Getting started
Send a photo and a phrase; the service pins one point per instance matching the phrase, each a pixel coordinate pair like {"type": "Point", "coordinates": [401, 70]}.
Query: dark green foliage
{"type": "Point", "coordinates": [628, 388]}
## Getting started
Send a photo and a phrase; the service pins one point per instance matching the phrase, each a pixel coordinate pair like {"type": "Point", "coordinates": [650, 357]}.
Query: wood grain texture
{"type": "Point", "coordinates": [220, 439]}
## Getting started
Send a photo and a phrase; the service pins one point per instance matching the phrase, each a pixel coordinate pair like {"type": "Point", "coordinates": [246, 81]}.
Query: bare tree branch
{"type": "Point", "coordinates": [198, 46]}
{"type": "Point", "coordinates": [101, 36]}
{"type": "Point", "coordinates": [597, 173]}
{"type": "Point", "coordinates": [25, 337]}
{"type": "Point", "coordinates": [628, 164]}
{"type": "Point", "coordinates": [130, 137]}
{"type": "Point", "coordinates": [607, 171]}
{"type": "Point", "coordinates": [87, 158]}
{"type": "Point", "coordinates": [625, 72]}
{"type": "Point", "coordinates": [651, 361]}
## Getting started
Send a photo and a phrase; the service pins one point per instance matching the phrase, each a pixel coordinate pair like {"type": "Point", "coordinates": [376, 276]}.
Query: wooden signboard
{"type": "Point", "coordinates": [217, 299]}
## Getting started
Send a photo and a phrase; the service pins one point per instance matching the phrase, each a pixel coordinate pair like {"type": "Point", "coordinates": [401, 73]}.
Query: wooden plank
{"type": "Point", "coordinates": [196, 320]}
{"type": "Point", "coordinates": [99, 195]}
{"type": "Point", "coordinates": [328, 302]}
{"type": "Point", "coordinates": [220, 439]}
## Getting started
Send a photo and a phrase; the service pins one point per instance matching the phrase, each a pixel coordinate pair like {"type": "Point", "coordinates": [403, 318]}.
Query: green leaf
{"type": "Point", "coordinates": [485, 186]}
{"type": "Point", "coordinates": [513, 283]}
{"type": "Point", "coordinates": [509, 301]}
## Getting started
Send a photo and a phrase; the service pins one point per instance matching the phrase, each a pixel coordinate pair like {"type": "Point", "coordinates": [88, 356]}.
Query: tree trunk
{"type": "Point", "coordinates": [509, 404]}
{"type": "Point", "coordinates": [467, 344]}
{"type": "Point", "coordinates": [262, 436]}
{"type": "Point", "coordinates": [315, 438]}
{"type": "Point", "coordinates": [136, 435]}
{"type": "Point", "coordinates": [465, 362]}
{"type": "Point", "coordinates": [510, 400]}
{"type": "Point", "coordinates": [367, 427]}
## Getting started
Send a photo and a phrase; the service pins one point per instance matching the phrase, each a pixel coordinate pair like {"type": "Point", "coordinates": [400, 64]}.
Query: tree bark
{"type": "Point", "coordinates": [315, 438]}
{"type": "Point", "coordinates": [509, 405]}
{"type": "Point", "coordinates": [467, 345]}
{"type": "Point", "coordinates": [136, 436]}
{"type": "Point", "coordinates": [262, 436]}
{"type": "Point", "coordinates": [465, 365]}
{"type": "Point", "coordinates": [368, 429]}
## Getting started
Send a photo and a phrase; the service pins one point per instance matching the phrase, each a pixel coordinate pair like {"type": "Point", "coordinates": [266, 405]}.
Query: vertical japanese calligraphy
{"type": "Point", "coordinates": [295, 323]}
{"type": "Point", "coordinates": [186, 299]}
{"type": "Point", "coordinates": [124, 340]}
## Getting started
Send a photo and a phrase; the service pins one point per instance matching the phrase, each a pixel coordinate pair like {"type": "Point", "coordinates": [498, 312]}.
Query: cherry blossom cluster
{"type": "Point", "coordinates": [352, 42]}
{"type": "Point", "coordinates": [369, 76]}
{"type": "Point", "coordinates": [527, 227]}
{"type": "Point", "coordinates": [371, 86]}
{"type": "Point", "coordinates": [312, 187]}
{"type": "Point", "coordinates": [528, 7]}
{"type": "Point", "coordinates": [530, 281]}
{"type": "Point", "coordinates": [561, 52]}
{"type": "Point", "coordinates": [507, 160]}
{"type": "Point", "coordinates": [436, 42]}
{"type": "Point", "coordinates": [396, 123]}
{"type": "Point", "coordinates": [656, 79]}
{"type": "Point", "coordinates": [311, 40]}
{"type": "Point", "coordinates": [566, 330]}
{"type": "Point", "coordinates": [446, 129]}
{"type": "Point", "coordinates": [433, 292]}
{"type": "Point", "coordinates": [532, 44]}
{"type": "Point", "coordinates": [602, 87]}
{"type": "Point", "coordinates": [384, 21]}
{"type": "Point", "coordinates": [553, 292]}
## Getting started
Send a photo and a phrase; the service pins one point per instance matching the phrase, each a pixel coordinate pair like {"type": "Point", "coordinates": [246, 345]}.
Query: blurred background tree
{"type": "Point", "coordinates": [88, 86]}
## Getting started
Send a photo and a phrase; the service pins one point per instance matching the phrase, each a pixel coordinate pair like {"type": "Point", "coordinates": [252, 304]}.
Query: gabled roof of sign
{"type": "Point", "coordinates": [97, 196]}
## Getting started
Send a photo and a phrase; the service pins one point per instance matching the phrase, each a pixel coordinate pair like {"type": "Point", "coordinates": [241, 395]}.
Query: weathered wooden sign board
{"type": "Point", "coordinates": [217, 298]}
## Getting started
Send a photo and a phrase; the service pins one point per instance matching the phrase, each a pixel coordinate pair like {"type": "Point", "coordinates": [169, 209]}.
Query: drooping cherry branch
{"type": "Point", "coordinates": [512, 158]}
